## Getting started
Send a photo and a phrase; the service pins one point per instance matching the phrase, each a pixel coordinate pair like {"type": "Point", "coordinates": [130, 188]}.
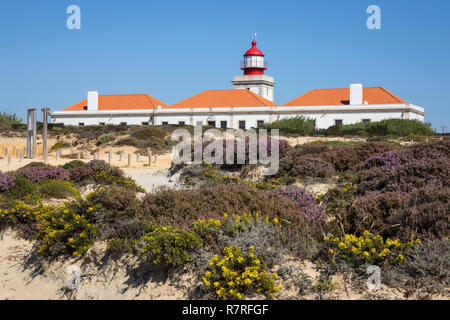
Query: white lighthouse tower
{"type": "Point", "coordinates": [254, 78]}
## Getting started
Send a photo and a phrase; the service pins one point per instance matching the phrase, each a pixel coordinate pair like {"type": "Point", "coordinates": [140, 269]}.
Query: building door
{"type": "Point", "coordinates": [223, 124]}
{"type": "Point", "coordinates": [242, 125]}
{"type": "Point", "coordinates": [211, 123]}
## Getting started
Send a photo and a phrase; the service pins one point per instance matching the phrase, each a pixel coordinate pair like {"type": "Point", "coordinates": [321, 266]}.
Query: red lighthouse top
{"type": "Point", "coordinates": [253, 61]}
{"type": "Point", "coordinates": [253, 51]}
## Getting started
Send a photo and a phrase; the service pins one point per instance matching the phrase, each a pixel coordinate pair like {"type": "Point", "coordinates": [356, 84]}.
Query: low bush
{"type": "Point", "coordinates": [6, 182]}
{"type": "Point", "coordinates": [56, 189]}
{"type": "Point", "coordinates": [89, 170]}
{"type": "Point", "coordinates": [38, 174]}
{"type": "Point", "coordinates": [395, 127]}
{"type": "Point", "coordinates": [367, 249]}
{"type": "Point", "coordinates": [116, 199]}
{"type": "Point", "coordinates": [23, 189]}
{"type": "Point", "coordinates": [73, 164]}
{"type": "Point", "coordinates": [21, 217]}
{"type": "Point", "coordinates": [145, 133]}
{"type": "Point", "coordinates": [182, 207]}
{"type": "Point", "coordinates": [407, 177]}
{"type": "Point", "coordinates": [105, 138]}
{"type": "Point", "coordinates": [341, 158]}
{"type": "Point", "coordinates": [128, 141]}
{"type": "Point", "coordinates": [252, 149]}
{"type": "Point", "coordinates": [60, 145]}
{"type": "Point", "coordinates": [63, 230]}
{"type": "Point", "coordinates": [169, 245]}
{"type": "Point", "coordinates": [8, 120]}
{"type": "Point", "coordinates": [296, 125]}
{"type": "Point", "coordinates": [312, 167]}
{"type": "Point", "coordinates": [235, 274]}
{"type": "Point", "coordinates": [244, 230]}
{"type": "Point", "coordinates": [306, 201]}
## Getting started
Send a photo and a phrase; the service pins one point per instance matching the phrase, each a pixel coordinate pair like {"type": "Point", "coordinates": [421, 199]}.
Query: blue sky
{"type": "Point", "coordinates": [175, 49]}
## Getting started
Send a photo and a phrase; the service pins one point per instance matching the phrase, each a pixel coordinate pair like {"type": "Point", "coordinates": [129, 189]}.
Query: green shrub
{"type": "Point", "coordinates": [24, 190]}
{"type": "Point", "coordinates": [115, 199]}
{"type": "Point", "coordinates": [169, 245]}
{"type": "Point", "coordinates": [105, 138]}
{"type": "Point", "coordinates": [73, 164]}
{"type": "Point", "coordinates": [182, 207]}
{"type": "Point", "coordinates": [60, 145]}
{"type": "Point", "coordinates": [128, 141]}
{"type": "Point", "coordinates": [394, 127]}
{"type": "Point", "coordinates": [296, 125]}
{"type": "Point", "coordinates": [145, 133]}
{"type": "Point", "coordinates": [7, 120]}
{"type": "Point", "coordinates": [56, 189]}
{"type": "Point", "coordinates": [34, 164]}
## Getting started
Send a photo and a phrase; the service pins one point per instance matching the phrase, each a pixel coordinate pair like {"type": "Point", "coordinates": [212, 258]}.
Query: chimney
{"type": "Point", "coordinates": [356, 94]}
{"type": "Point", "coordinates": [92, 104]}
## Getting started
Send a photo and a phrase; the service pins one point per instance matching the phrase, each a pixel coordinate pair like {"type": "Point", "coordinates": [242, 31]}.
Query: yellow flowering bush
{"type": "Point", "coordinates": [368, 248]}
{"type": "Point", "coordinates": [21, 212]}
{"type": "Point", "coordinates": [235, 274]}
{"type": "Point", "coordinates": [105, 177]}
{"type": "Point", "coordinates": [203, 227]}
{"type": "Point", "coordinates": [64, 230]}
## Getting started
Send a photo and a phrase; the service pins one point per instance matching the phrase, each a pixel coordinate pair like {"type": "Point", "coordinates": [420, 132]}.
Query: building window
{"type": "Point", "coordinates": [181, 123]}
{"type": "Point", "coordinates": [145, 123]}
{"type": "Point", "coordinates": [223, 124]}
{"type": "Point", "coordinates": [123, 123]}
{"type": "Point", "coordinates": [211, 123]}
{"type": "Point", "coordinates": [338, 122]}
{"type": "Point", "coordinates": [102, 123]}
{"type": "Point", "coordinates": [259, 123]}
{"type": "Point", "coordinates": [242, 125]}
{"type": "Point", "coordinates": [365, 120]}
{"type": "Point", "coordinates": [81, 124]}
{"type": "Point", "coordinates": [165, 123]}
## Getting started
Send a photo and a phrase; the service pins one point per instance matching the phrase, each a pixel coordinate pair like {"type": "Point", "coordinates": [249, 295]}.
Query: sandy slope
{"type": "Point", "coordinates": [22, 276]}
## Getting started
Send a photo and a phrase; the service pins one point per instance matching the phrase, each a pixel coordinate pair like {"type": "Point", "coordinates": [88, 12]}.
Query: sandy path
{"type": "Point", "coordinates": [152, 179]}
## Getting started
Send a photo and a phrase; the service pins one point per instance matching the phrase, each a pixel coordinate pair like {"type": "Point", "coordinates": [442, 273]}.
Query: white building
{"type": "Point", "coordinates": [248, 105]}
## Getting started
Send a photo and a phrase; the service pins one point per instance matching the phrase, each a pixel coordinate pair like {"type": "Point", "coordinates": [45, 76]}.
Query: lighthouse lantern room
{"type": "Point", "coordinates": [254, 78]}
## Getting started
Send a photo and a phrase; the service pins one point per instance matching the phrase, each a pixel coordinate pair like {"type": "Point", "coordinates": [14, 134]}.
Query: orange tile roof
{"type": "Point", "coordinates": [224, 98]}
{"type": "Point", "coordinates": [333, 97]}
{"type": "Point", "coordinates": [121, 102]}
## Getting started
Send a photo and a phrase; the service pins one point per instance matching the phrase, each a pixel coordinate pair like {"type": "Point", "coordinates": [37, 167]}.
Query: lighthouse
{"type": "Point", "coordinates": [254, 79]}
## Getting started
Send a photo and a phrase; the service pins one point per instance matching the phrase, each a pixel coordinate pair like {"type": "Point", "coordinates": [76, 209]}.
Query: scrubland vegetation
{"type": "Point", "coordinates": [389, 207]}
{"type": "Point", "coordinates": [385, 204]}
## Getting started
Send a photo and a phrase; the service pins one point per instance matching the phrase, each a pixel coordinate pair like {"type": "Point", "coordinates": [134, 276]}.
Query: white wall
{"type": "Point", "coordinates": [325, 116]}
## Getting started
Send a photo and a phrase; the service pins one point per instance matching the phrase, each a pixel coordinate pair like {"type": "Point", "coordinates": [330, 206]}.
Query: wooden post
{"type": "Point", "coordinates": [149, 153]}
{"type": "Point", "coordinates": [21, 157]}
{"type": "Point", "coordinates": [34, 134]}
{"type": "Point", "coordinates": [6, 152]}
{"type": "Point", "coordinates": [129, 160]}
{"type": "Point", "coordinates": [44, 135]}
{"type": "Point", "coordinates": [109, 157]}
